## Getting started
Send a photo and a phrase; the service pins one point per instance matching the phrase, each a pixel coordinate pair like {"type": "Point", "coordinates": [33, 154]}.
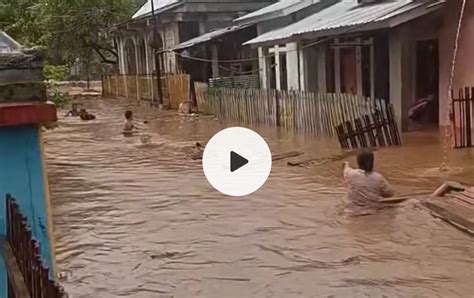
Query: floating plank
{"type": "Point", "coordinates": [286, 155]}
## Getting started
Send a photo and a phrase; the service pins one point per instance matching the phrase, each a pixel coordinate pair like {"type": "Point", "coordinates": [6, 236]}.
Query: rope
{"type": "Point", "coordinates": [451, 83]}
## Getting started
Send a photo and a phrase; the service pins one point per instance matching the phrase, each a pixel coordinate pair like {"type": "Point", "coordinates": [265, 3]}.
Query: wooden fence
{"type": "Point", "coordinates": [26, 252]}
{"type": "Point", "coordinates": [462, 118]}
{"type": "Point", "coordinates": [139, 87]}
{"type": "Point", "coordinates": [378, 128]}
{"type": "Point", "coordinates": [320, 114]}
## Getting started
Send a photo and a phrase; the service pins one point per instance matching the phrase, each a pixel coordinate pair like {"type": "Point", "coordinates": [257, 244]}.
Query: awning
{"type": "Point", "coordinates": [218, 33]}
{"type": "Point", "coordinates": [348, 16]}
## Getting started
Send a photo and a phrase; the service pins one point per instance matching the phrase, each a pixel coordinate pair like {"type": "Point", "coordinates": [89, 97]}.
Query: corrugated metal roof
{"type": "Point", "coordinates": [159, 6]}
{"type": "Point", "coordinates": [209, 36]}
{"type": "Point", "coordinates": [8, 45]}
{"type": "Point", "coordinates": [278, 9]}
{"type": "Point", "coordinates": [345, 14]}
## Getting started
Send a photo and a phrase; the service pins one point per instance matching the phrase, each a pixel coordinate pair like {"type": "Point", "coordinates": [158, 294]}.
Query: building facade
{"type": "Point", "coordinates": [177, 21]}
{"type": "Point", "coordinates": [400, 51]}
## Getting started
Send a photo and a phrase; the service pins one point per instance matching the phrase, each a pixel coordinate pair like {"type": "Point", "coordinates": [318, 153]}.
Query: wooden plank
{"type": "Point", "coordinates": [360, 133]}
{"type": "Point", "coordinates": [370, 130]}
{"type": "Point", "coordinates": [378, 128]}
{"type": "Point", "coordinates": [351, 135]}
{"type": "Point", "coordinates": [286, 155]}
{"type": "Point", "coordinates": [468, 117]}
{"type": "Point", "coordinates": [14, 273]}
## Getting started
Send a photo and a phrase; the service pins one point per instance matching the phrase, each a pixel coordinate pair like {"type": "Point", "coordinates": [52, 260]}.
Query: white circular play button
{"type": "Point", "coordinates": [237, 161]}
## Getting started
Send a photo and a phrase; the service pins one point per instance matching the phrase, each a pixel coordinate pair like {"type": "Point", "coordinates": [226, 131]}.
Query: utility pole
{"type": "Point", "coordinates": [156, 47]}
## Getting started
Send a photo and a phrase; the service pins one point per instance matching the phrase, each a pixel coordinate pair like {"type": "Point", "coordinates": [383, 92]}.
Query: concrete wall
{"type": "Point", "coordinates": [464, 73]}
{"type": "Point", "coordinates": [22, 175]}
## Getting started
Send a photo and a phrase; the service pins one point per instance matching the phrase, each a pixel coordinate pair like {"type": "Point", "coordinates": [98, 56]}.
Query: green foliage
{"type": "Point", "coordinates": [69, 29]}
{"type": "Point", "coordinates": [57, 97]}
{"type": "Point", "coordinates": [55, 72]}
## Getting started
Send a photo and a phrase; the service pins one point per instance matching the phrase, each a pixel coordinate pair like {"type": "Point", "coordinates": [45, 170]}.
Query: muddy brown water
{"type": "Point", "coordinates": [135, 220]}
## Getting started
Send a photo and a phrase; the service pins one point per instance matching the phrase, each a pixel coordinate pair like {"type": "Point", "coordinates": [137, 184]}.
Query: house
{"type": "Point", "coordinates": [223, 47]}
{"type": "Point", "coordinates": [397, 50]}
{"type": "Point", "coordinates": [177, 21]}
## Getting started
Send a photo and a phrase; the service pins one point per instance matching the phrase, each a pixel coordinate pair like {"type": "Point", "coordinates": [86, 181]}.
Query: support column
{"type": "Point", "coordinates": [401, 76]}
{"type": "Point", "coordinates": [337, 67]}
{"type": "Point", "coordinates": [262, 68]}
{"type": "Point", "coordinates": [292, 63]}
{"type": "Point", "coordinates": [277, 69]}
{"type": "Point", "coordinates": [321, 62]}
{"type": "Point", "coordinates": [122, 68]}
{"type": "Point", "coordinates": [303, 69]}
{"type": "Point", "coordinates": [137, 56]}
{"type": "Point", "coordinates": [215, 61]}
{"type": "Point", "coordinates": [359, 67]}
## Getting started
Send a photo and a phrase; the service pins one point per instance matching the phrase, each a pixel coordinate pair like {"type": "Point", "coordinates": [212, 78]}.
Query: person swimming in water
{"type": "Point", "coordinates": [365, 187]}
{"type": "Point", "coordinates": [74, 112]}
{"type": "Point", "coordinates": [86, 115]}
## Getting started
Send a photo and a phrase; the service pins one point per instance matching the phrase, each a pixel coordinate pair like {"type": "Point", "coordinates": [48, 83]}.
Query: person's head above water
{"type": "Point", "coordinates": [128, 115]}
{"type": "Point", "coordinates": [365, 160]}
{"type": "Point", "coordinates": [74, 107]}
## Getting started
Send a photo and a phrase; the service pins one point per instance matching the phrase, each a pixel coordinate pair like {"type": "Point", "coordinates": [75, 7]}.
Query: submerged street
{"type": "Point", "coordinates": [142, 221]}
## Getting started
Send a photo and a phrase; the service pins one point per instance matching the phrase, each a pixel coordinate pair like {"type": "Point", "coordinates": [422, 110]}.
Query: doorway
{"type": "Point", "coordinates": [425, 109]}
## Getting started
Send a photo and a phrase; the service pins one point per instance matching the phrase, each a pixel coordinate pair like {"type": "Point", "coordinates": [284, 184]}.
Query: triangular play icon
{"type": "Point", "coordinates": [237, 161]}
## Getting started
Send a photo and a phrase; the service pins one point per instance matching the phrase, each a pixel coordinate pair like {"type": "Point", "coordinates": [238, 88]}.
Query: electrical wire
{"type": "Point", "coordinates": [318, 42]}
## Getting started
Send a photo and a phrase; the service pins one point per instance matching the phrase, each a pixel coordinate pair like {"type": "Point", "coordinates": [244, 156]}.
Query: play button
{"type": "Point", "coordinates": [237, 161]}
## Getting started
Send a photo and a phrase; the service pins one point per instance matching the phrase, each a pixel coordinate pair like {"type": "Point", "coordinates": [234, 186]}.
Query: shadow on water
{"type": "Point", "coordinates": [141, 220]}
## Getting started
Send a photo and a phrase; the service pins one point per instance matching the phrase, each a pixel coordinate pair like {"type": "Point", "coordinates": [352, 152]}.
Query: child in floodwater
{"type": "Point", "coordinates": [366, 188]}
{"type": "Point", "coordinates": [128, 126]}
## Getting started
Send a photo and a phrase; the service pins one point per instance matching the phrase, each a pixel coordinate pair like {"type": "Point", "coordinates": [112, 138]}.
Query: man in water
{"type": "Point", "coordinates": [366, 188]}
{"type": "Point", "coordinates": [74, 112]}
{"type": "Point", "coordinates": [86, 115]}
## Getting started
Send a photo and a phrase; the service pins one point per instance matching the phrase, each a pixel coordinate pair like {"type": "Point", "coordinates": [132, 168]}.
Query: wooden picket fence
{"type": "Point", "coordinates": [462, 118]}
{"type": "Point", "coordinates": [319, 114]}
{"type": "Point", "coordinates": [376, 129]}
{"type": "Point", "coordinates": [134, 87]}
{"type": "Point", "coordinates": [28, 276]}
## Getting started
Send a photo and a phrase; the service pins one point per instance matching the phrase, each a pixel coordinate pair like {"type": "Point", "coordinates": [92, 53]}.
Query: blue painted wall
{"type": "Point", "coordinates": [21, 174]}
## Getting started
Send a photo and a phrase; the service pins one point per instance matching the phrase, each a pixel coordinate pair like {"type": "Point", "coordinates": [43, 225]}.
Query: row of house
{"type": "Point", "coordinates": [397, 50]}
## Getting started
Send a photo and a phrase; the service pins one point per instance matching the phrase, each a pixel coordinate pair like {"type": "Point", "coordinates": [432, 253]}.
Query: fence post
{"type": "Point", "coordinates": [138, 87]}
{"type": "Point", "coordinates": [116, 86]}
{"type": "Point", "coordinates": [277, 107]}
{"type": "Point", "coordinates": [125, 80]}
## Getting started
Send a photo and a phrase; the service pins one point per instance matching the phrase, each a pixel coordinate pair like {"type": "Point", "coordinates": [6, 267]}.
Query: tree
{"type": "Point", "coordinates": [68, 29]}
{"type": "Point", "coordinates": [75, 28]}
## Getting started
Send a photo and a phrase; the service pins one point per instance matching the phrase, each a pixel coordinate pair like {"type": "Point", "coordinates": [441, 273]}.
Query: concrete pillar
{"type": "Point", "coordinates": [292, 69]}
{"type": "Point", "coordinates": [277, 69]}
{"type": "Point", "coordinates": [121, 53]}
{"type": "Point", "coordinates": [215, 61]}
{"type": "Point", "coordinates": [402, 79]}
{"type": "Point", "coordinates": [137, 55]}
{"type": "Point", "coordinates": [303, 70]}
{"type": "Point", "coordinates": [262, 68]}
{"type": "Point", "coordinates": [321, 72]}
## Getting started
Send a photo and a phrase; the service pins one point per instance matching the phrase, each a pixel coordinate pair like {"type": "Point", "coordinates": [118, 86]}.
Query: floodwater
{"type": "Point", "coordinates": [135, 220]}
